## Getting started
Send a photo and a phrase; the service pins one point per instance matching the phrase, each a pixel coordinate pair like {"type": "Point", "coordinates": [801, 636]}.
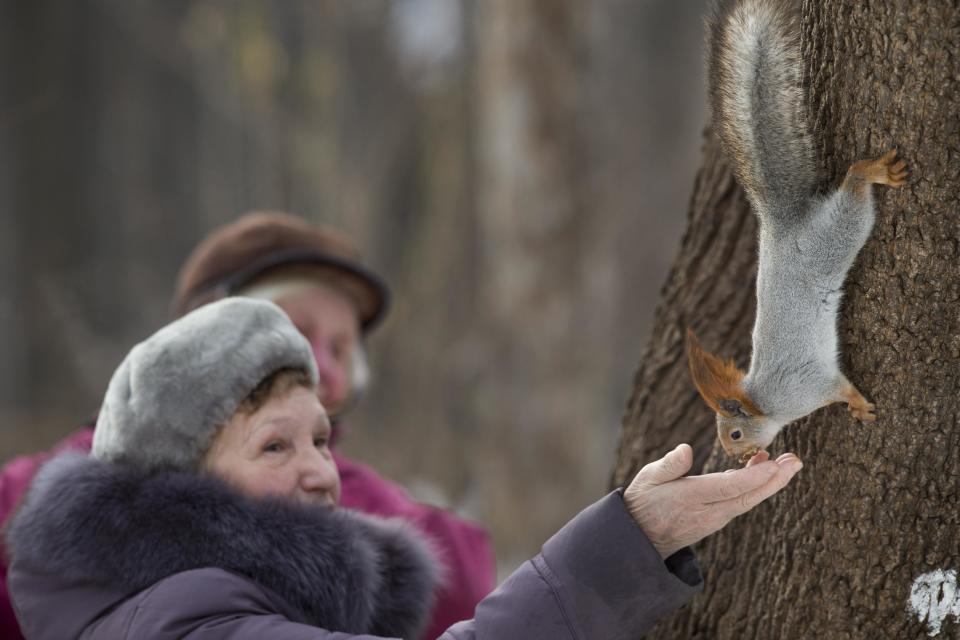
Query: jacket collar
{"type": "Point", "coordinates": [86, 521]}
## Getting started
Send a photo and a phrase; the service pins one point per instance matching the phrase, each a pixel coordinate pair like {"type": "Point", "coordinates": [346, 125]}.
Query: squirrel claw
{"type": "Point", "coordinates": [885, 171]}
{"type": "Point", "coordinates": [860, 408]}
{"type": "Point", "coordinates": [863, 412]}
{"type": "Point", "coordinates": [888, 170]}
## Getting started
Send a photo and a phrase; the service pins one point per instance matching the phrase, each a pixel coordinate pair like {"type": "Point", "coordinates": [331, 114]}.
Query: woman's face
{"type": "Point", "coordinates": [329, 321]}
{"type": "Point", "coordinates": [279, 450]}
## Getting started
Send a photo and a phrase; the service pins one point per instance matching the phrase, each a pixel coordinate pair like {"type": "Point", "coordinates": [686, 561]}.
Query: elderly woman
{"type": "Point", "coordinates": [207, 509]}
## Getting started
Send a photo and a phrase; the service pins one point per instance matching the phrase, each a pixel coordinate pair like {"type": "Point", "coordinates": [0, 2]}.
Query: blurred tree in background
{"type": "Point", "coordinates": [518, 171]}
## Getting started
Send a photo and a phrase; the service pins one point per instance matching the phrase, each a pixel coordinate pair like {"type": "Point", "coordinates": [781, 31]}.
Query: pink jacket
{"type": "Point", "coordinates": [465, 547]}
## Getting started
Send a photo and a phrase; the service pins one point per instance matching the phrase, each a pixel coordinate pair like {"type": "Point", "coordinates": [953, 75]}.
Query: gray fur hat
{"type": "Point", "coordinates": [173, 390]}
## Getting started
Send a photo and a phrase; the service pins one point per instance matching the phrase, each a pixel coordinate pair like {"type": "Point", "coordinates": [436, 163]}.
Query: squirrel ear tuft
{"type": "Point", "coordinates": [735, 408]}
{"type": "Point", "coordinates": [731, 406]}
{"type": "Point", "coordinates": [718, 381]}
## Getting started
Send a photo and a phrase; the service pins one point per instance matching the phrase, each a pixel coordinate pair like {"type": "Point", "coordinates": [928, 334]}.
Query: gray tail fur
{"type": "Point", "coordinates": [759, 103]}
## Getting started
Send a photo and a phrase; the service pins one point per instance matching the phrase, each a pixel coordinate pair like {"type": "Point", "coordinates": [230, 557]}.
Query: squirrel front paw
{"type": "Point", "coordinates": [859, 407]}
{"type": "Point", "coordinates": [883, 170]}
{"type": "Point", "coordinates": [863, 412]}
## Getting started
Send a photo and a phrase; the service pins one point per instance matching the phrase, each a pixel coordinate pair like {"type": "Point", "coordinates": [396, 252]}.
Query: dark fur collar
{"type": "Point", "coordinates": [85, 519]}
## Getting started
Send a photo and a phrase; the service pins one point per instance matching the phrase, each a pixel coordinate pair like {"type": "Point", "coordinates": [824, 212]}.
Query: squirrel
{"type": "Point", "coordinates": [807, 241]}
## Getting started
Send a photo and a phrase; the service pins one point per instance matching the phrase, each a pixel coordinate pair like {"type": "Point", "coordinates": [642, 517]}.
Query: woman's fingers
{"type": "Point", "coordinates": [719, 487]}
{"type": "Point", "coordinates": [786, 469]}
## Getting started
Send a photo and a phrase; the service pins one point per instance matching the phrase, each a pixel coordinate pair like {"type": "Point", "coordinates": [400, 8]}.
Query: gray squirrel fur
{"type": "Point", "coordinates": [807, 242]}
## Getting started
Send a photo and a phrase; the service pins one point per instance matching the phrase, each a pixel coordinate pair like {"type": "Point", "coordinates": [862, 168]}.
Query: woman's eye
{"type": "Point", "coordinates": [320, 443]}
{"type": "Point", "coordinates": [736, 435]}
{"type": "Point", "coordinates": [273, 447]}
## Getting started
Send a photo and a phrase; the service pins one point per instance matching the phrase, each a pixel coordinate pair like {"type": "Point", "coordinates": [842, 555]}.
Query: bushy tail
{"type": "Point", "coordinates": [759, 104]}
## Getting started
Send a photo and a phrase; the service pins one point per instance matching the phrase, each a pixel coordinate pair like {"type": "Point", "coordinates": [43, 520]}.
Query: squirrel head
{"type": "Point", "coordinates": [739, 421]}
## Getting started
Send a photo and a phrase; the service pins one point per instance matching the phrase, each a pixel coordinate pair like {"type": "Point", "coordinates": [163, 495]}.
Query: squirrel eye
{"type": "Point", "coordinates": [736, 435]}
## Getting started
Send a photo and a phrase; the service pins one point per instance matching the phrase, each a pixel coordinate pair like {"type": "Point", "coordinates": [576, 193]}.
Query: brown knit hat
{"type": "Point", "coordinates": [264, 242]}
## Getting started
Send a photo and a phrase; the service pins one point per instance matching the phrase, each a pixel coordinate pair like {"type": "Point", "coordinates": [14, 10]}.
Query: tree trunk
{"type": "Point", "coordinates": [863, 542]}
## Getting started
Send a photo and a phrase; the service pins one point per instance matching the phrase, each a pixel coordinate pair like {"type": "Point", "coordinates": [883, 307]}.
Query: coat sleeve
{"type": "Point", "coordinates": [208, 604]}
{"type": "Point", "coordinates": [598, 577]}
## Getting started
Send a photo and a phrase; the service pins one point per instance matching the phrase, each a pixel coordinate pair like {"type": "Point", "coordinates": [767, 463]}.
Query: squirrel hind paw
{"type": "Point", "coordinates": [896, 172]}
{"type": "Point", "coordinates": [886, 169]}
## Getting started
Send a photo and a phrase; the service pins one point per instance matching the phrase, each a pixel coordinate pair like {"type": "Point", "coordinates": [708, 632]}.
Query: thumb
{"type": "Point", "coordinates": [670, 467]}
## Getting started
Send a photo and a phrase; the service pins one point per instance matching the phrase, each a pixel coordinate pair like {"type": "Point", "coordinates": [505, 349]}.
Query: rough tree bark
{"type": "Point", "coordinates": [843, 551]}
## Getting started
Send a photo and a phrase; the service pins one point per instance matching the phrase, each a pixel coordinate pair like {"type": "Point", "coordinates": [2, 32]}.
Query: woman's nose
{"type": "Point", "coordinates": [319, 476]}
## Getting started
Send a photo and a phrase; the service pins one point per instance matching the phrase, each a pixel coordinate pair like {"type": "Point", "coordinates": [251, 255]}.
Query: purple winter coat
{"type": "Point", "coordinates": [464, 547]}
{"type": "Point", "coordinates": [105, 551]}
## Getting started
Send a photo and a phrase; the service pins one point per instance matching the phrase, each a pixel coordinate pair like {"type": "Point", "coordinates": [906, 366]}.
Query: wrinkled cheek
{"type": "Point", "coordinates": [269, 485]}
{"type": "Point", "coordinates": [334, 378]}
{"type": "Point", "coordinates": [333, 393]}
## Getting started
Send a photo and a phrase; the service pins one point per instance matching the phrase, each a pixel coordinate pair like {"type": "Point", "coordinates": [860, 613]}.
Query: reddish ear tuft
{"type": "Point", "coordinates": [716, 379]}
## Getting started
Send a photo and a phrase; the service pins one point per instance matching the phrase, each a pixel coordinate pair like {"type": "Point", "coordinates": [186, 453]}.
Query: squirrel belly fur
{"type": "Point", "coordinates": [807, 242]}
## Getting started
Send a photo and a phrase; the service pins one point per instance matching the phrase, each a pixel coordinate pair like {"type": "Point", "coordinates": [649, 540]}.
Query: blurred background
{"type": "Point", "coordinates": [519, 172]}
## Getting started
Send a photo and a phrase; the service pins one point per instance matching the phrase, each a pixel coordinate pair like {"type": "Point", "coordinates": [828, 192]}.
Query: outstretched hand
{"type": "Point", "coordinates": [676, 511]}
